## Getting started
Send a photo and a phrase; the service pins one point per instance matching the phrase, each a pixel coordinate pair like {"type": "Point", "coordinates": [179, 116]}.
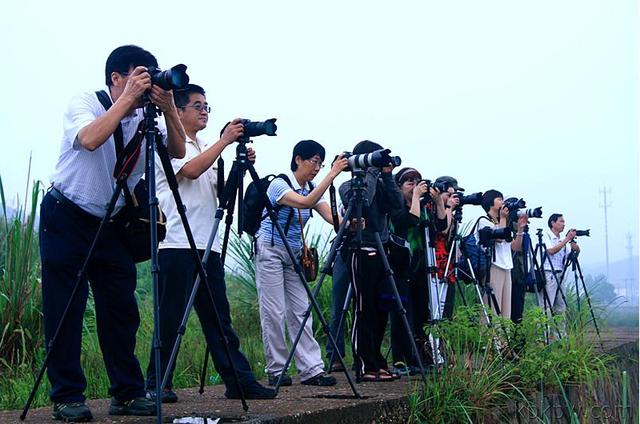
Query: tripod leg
{"type": "Point", "coordinates": [80, 276]}
{"type": "Point", "coordinates": [401, 310]}
{"type": "Point", "coordinates": [343, 314]}
{"type": "Point", "coordinates": [202, 275]}
{"type": "Point", "coordinates": [586, 295]}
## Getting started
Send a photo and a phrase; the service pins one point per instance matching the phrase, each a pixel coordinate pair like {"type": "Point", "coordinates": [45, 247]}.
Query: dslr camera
{"type": "Point", "coordinates": [488, 235]}
{"type": "Point", "coordinates": [258, 128]}
{"type": "Point", "coordinates": [171, 79]}
{"type": "Point", "coordinates": [516, 207]}
{"type": "Point", "coordinates": [470, 199]}
{"type": "Point", "coordinates": [376, 159]}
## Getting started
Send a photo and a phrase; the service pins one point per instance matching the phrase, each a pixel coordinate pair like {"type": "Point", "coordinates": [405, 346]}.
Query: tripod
{"type": "Point", "coordinates": [541, 250]}
{"type": "Point", "coordinates": [572, 260]}
{"type": "Point", "coordinates": [357, 202]}
{"type": "Point", "coordinates": [233, 189]}
{"type": "Point", "coordinates": [126, 161]}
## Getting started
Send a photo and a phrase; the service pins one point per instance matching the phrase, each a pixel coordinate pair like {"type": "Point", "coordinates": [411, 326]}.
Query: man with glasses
{"type": "Point", "coordinates": [70, 214]}
{"type": "Point", "coordinates": [197, 184]}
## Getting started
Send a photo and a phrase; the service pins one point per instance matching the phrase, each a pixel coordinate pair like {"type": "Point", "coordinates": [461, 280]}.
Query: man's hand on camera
{"type": "Point", "coordinates": [139, 81]}
{"type": "Point", "coordinates": [234, 131]}
{"type": "Point", "coordinates": [162, 98]}
{"type": "Point", "coordinates": [340, 164]}
{"type": "Point", "coordinates": [251, 155]}
{"type": "Point", "coordinates": [571, 234]}
{"type": "Point", "coordinates": [453, 202]}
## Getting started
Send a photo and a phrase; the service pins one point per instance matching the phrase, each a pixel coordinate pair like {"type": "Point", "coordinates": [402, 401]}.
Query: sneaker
{"type": "Point", "coordinates": [168, 396]}
{"type": "Point", "coordinates": [139, 406]}
{"type": "Point", "coordinates": [321, 379]}
{"type": "Point", "coordinates": [75, 412]}
{"type": "Point", "coordinates": [254, 390]}
{"type": "Point", "coordinates": [273, 380]}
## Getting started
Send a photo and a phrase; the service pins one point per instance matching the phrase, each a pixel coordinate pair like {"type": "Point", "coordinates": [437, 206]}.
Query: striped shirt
{"type": "Point", "coordinates": [276, 191]}
{"type": "Point", "coordinates": [557, 259]}
{"type": "Point", "coordinates": [86, 177]}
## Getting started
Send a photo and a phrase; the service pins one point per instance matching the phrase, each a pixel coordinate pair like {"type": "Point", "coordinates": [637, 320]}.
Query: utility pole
{"type": "Point", "coordinates": [630, 280]}
{"type": "Point", "coordinates": [606, 205]}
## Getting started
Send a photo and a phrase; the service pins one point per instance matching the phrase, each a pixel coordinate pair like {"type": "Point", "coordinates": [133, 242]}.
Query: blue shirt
{"type": "Point", "coordinates": [268, 232]}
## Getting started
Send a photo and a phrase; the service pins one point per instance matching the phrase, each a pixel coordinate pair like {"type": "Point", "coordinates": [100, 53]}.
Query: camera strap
{"type": "Point", "coordinates": [125, 159]}
{"type": "Point", "coordinates": [334, 207]}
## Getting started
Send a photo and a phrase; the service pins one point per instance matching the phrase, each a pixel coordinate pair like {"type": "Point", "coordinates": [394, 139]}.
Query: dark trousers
{"type": "Point", "coordinates": [66, 233]}
{"type": "Point", "coordinates": [401, 347]}
{"type": "Point", "coordinates": [177, 275]}
{"type": "Point", "coordinates": [339, 288]}
{"type": "Point", "coordinates": [370, 315]}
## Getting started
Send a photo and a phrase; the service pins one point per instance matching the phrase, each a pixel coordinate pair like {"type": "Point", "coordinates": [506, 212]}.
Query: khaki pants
{"type": "Point", "coordinates": [282, 297]}
{"type": "Point", "coordinates": [500, 282]}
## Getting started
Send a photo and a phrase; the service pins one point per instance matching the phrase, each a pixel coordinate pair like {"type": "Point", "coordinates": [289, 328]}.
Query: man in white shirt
{"type": "Point", "coordinates": [502, 262]}
{"type": "Point", "coordinates": [197, 184]}
{"type": "Point", "coordinates": [558, 248]}
{"type": "Point", "coordinates": [70, 214]}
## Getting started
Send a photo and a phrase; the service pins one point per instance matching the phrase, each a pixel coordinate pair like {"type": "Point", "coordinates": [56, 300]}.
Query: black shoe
{"type": "Point", "coordinates": [75, 412]}
{"type": "Point", "coordinates": [168, 396]}
{"type": "Point", "coordinates": [321, 379]}
{"type": "Point", "coordinates": [251, 391]}
{"type": "Point", "coordinates": [139, 406]}
{"type": "Point", "coordinates": [273, 380]}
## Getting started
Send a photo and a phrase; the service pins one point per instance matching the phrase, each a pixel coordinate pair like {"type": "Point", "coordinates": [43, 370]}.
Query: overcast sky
{"type": "Point", "coordinates": [538, 99]}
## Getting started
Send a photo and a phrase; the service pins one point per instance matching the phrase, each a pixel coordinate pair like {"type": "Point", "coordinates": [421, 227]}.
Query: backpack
{"type": "Point", "coordinates": [254, 204]}
{"type": "Point", "coordinates": [471, 250]}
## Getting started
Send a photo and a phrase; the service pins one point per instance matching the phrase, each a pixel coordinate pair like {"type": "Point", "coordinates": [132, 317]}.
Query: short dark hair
{"type": "Point", "coordinates": [125, 57]}
{"type": "Point", "coordinates": [306, 149]}
{"type": "Point", "coordinates": [181, 96]}
{"type": "Point", "coordinates": [488, 197]}
{"type": "Point", "coordinates": [553, 218]}
{"type": "Point", "coordinates": [366, 146]}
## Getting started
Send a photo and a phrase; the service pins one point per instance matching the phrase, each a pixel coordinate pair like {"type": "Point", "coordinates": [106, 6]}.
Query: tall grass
{"type": "Point", "coordinates": [19, 283]}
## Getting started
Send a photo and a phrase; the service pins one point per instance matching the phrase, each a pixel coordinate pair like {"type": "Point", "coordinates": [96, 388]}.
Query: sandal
{"type": "Point", "coordinates": [374, 377]}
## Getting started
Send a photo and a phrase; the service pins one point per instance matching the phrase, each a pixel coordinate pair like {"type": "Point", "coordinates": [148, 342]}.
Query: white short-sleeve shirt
{"type": "Point", "coordinates": [503, 256]}
{"type": "Point", "coordinates": [86, 177]}
{"type": "Point", "coordinates": [199, 197]}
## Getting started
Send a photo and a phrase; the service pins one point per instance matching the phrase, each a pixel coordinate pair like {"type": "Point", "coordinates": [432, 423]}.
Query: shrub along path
{"type": "Point", "coordinates": [384, 402]}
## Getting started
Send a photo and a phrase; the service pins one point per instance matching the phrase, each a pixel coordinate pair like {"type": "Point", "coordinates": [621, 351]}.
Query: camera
{"type": "Point", "coordinates": [257, 128]}
{"type": "Point", "coordinates": [487, 235]}
{"type": "Point", "coordinates": [513, 204]}
{"type": "Point", "coordinates": [470, 199]}
{"type": "Point", "coordinates": [580, 233]}
{"type": "Point", "coordinates": [531, 213]}
{"type": "Point", "coordinates": [171, 79]}
{"type": "Point", "coordinates": [376, 159]}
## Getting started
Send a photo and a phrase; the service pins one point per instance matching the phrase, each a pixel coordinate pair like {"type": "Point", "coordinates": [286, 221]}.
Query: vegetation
{"type": "Point", "coordinates": [473, 388]}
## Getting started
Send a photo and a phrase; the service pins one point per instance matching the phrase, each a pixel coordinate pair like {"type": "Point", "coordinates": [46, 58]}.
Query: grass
{"type": "Point", "coordinates": [479, 385]}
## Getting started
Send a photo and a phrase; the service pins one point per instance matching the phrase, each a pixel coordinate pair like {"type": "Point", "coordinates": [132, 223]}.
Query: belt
{"type": "Point", "coordinates": [555, 272]}
{"type": "Point", "coordinates": [71, 206]}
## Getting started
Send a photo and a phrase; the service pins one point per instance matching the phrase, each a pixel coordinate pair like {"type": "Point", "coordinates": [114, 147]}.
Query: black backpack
{"type": "Point", "coordinates": [254, 204]}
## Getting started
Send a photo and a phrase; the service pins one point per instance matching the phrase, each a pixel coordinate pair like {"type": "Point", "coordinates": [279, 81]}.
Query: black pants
{"type": "Point", "coordinates": [370, 316]}
{"type": "Point", "coordinates": [177, 275]}
{"type": "Point", "coordinates": [66, 233]}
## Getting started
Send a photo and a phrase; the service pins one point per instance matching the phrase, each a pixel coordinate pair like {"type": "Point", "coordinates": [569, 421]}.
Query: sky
{"type": "Point", "coordinates": [538, 99]}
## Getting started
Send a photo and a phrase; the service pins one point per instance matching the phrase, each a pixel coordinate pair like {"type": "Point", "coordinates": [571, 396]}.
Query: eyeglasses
{"type": "Point", "coordinates": [316, 162]}
{"type": "Point", "coordinates": [200, 107]}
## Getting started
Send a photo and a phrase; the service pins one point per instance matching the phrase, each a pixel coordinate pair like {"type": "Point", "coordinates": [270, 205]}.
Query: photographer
{"type": "Point", "coordinates": [281, 295]}
{"type": "Point", "coordinates": [408, 222]}
{"type": "Point", "coordinates": [70, 214]}
{"type": "Point", "coordinates": [366, 269]}
{"type": "Point", "coordinates": [197, 184]}
{"type": "Point", "coordinates": [558, 249]}
{"type": "Point", "coordinates": [499, 277]}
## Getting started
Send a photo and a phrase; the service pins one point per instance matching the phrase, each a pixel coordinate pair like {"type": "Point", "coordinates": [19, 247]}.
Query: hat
{"type": "Point", "coordinates": [450, 181]}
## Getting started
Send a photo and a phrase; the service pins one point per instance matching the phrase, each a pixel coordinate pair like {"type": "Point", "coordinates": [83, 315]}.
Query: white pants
{"type": "Point", "coordinates": [554, 301]}
{"type": "Point", "coordinates": [282, 297]}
